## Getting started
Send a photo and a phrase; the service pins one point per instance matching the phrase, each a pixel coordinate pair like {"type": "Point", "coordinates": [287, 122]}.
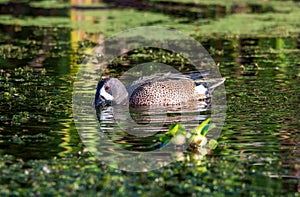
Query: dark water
{"type": "Point", "coordinates": [258, 152]}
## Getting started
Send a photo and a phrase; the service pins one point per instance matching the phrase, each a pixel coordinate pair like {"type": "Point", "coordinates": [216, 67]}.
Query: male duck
{"type": "Point", "coordinates": [159, 89]}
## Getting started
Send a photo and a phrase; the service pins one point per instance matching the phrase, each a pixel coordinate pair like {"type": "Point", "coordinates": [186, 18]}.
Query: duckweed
{"type": "Point", "coordinates": [256, 154]}
{"type": "Point", "coordinates": [23, 86]}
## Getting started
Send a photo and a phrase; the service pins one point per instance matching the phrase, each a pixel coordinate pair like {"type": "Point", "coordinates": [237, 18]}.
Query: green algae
{"type": "Point", "coordinates": [257, 152]}
{"type": "Point", "coordinates": [281, 20]}
{"type": "Point", "coordinates": [23, 87]}
{"type": "Point", "coordinates": [277, 5]}
{"type": "Point", "coordinates": [259, 25]}
{"type": "Point", "coordinates": [110, 22]}
{"type": "Point", "coordinates": [48, 4]}
{"type": "Point", "coordinates": [81, 175]}
{"type": "Point", "coordinates": [35, 21]}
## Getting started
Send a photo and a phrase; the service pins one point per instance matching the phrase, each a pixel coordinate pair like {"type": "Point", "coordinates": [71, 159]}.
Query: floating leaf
{"type": "Point", "coordinates": [176, 129]}
{"type": "Point", "coordinates": [173, 129]}
{"type": "Point", "coordinates": [201, 129]}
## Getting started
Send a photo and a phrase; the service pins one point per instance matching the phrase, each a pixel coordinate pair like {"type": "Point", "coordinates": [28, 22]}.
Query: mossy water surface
{"type": "Point", "coordinates": [257, 52]}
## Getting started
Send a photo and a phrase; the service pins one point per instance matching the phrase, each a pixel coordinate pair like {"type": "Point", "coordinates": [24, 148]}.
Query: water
{"type": "Point", "coordinates": [258, 152]}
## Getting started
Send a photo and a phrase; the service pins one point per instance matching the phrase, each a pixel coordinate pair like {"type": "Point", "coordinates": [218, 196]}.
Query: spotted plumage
{"type": "Point", "coordinates": [167, 92]}
{"type": "Point", "coordinates": [164, 89]}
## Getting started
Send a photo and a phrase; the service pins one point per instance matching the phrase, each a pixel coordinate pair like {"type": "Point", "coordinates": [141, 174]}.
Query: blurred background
{"type": "Point", "coordinates": [256, 44]}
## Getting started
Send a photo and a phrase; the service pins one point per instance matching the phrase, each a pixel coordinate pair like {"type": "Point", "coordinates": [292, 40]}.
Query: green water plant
{"type": "Point", "coordinates": [178, 135]}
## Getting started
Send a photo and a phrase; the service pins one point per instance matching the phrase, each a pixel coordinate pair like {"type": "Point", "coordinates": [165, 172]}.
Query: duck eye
{"type": "Point", "coordinates": [106, 88]}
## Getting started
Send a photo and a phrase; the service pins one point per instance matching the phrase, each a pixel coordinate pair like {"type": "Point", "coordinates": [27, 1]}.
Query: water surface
{"type": "Point", "coordinates": [258, 152]}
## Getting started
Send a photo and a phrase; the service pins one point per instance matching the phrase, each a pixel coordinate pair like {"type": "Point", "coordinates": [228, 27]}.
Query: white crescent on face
{"type": "Point", "coordinates": [106, 96]}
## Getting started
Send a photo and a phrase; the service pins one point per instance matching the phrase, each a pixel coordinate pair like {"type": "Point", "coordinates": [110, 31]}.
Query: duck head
{"type": "Point", "coordinates": [110, 90]}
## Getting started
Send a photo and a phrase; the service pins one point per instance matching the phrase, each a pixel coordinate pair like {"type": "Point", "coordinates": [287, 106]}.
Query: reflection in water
{"type": "Point", "coordinates": [259, 147]}
{"type": "Point", "coordinates": [24, 9]}
{"type": "Point", "coordinates": [139, 128]}
{"type": "Point", "coordinates": [128, 142]}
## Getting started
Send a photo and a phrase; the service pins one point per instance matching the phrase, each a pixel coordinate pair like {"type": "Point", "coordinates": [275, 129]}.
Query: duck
{"type": "Point", "coordinates": [155, 90]}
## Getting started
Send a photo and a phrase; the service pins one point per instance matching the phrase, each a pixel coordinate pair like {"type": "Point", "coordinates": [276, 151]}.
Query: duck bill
{"type": "Point", "coordinates": [100, 102]}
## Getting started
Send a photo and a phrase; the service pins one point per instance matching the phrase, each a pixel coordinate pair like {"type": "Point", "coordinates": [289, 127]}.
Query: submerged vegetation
{"type": "Point", "coordinates": [23, 88]}
{"type": "Point", "coordinates": [255, 44]}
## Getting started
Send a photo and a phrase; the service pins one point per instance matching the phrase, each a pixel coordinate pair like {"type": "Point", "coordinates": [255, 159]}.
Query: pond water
{"type": "Point", "coordinates": [41, 51]}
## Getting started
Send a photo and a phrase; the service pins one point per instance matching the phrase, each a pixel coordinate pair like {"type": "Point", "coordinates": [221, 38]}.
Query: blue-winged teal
{"type": "Point", "coordinates": [159, 89]}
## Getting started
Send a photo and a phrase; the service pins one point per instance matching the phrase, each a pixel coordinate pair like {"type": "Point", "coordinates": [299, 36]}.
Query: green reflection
{"type": "Point", "coordinates": [258, 151]}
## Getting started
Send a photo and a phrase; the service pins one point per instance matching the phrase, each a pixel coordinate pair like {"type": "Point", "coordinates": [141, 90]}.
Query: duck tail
{"type": "Point", "coordinates": [211, 84]}
{"type": "Point", "coordinates": [216, 83]}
